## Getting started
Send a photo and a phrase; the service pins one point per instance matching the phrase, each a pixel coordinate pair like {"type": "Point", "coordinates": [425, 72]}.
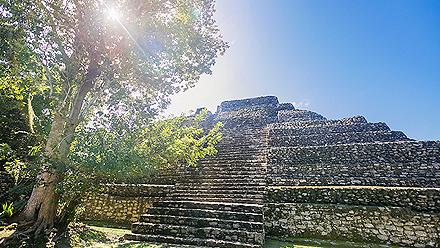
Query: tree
{"type": "Point", "coordinates": [126, 155]}
{"type": "Point", "coordinates": [121, 58]}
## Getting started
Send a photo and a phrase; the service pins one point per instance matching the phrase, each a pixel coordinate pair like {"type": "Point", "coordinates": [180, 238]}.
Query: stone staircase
{"type": "Point", "coordinates": [219, 203]}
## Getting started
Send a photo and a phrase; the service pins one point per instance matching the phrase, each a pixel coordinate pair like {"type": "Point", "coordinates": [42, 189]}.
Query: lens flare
{"type": "Point", "coordinates": [113, 14]}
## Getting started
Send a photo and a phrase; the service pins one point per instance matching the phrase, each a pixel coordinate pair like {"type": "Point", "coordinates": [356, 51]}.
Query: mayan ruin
{"type": "Point", "coordinates": [219, 124]}
{"type": "Point", "coordinates": [282, 171]}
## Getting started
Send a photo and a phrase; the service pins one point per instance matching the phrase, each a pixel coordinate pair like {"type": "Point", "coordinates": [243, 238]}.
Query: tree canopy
{"type": "Point", "coordinates": [89, 77]}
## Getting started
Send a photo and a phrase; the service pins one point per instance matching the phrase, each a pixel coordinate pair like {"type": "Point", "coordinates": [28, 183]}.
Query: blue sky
{"type": "Point", "coordinates": [377, 58]}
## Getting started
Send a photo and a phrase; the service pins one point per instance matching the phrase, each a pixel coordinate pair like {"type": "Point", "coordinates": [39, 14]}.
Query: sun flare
{"type": "Point", "coordinates": [113, 14]}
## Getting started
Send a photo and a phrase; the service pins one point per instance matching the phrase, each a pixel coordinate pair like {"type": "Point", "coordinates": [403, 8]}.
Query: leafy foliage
{"type": "Point", "coordinates": [153, 50]}
{"type": "Point", "coordinates": [7, 210]}
{"type": "Point", "coordinates": [123, 155]}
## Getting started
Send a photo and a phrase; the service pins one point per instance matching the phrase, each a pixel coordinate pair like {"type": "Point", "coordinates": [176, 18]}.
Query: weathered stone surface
{"type": "Point", "coordinates": [122, 203]}
{"type": "Point", "coordinates": [298, 115]}
{"type": "Point", "coordinates": [389, 225]}
{"type": "Point", "coordinates": [267, 101]}
{"type": "Point", "coordinates": [416, 199]}
{"type": "Point", "coordinates": [402, 163]}
{"type": "Point", "coordinates": [336, 138]}
{"type": "Point", "coordinates": [285, 106]}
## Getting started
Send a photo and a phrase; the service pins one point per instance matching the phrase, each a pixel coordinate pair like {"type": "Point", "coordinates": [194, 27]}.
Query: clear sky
{"type": "Point", "coordinates": [377, 58]}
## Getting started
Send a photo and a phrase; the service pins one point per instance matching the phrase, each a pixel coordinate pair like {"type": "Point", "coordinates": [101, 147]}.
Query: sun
{"type": "Point", "coordinates": [113, 14]}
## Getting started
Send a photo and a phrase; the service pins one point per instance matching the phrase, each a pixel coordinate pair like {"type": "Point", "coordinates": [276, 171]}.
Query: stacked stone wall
{"type": "Point", "coordinates": [298, 115]}
{"type": "Point", "coordinates": [386, 225]}
{"type": "Point", "coordinates": [286, 130]}
{"type": "Point", "coordinates": [346, 181]}
{"type": "Point", "coordinates": [336, 138]}
{"type": "Point", "coordinates": [406, 163]}
{"type": "Point", "coordinates": [122, 203]}
{"type": "Point", "coordinates": [268, 101]}
{"type": "Point", "coordinates": [417, 199]}
{"type": "Point", "coordinates": [317, 123]}
{"type": "Point", "coordinates": [426, 153]}
{"type": "Point", "coordinates": [285, 106]}
{"type": "Point", "coordinates": [255, 116]}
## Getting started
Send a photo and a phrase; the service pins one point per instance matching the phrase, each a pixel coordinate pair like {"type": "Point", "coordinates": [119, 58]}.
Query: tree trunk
{"type": "Point", "coordinates": [41, 208]}
{"type": "Point", "coordinates": [42, 205]}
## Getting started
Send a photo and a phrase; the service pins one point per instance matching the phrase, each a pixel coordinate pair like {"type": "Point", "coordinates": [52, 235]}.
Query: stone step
{"type": "Point", "coordinates": [224, 173]}
{"type": "Point", "coordinates": [241, 146]}
{"type": "Point", "coordinates": [247, 181]}
{"type": "Point", "coordinates": [207, 213]}
{"type": "Point", "coordinates": [249, 152]}
{"type": "Point", "coordinates": [237, 191]}
{"type": "Point", "coordinates": [221, 187]}
{"type": "Point", "coordinates": [257, 170]}
{"type": "Point", "coordinates": [229, 169]}
{"type": "Point", "coordinates": [230, 160]}
{"type": "Point", "coordinates": [230, 166]}
{"type": "Point", "coordinates": [231, 176]}
{"type": "Point", "coordinates": [235, 157]}
{"type": "Point", "coordinates": [236, 165]}
{"type": "Point", "coordinates": [222, 183]}
{"type": "Point", "coordinates": [202, 222]}
{"type": "Point", "coordinates": [242, 132]}
{"type": "Point", "coordinates": [188, 241]}
{"type": "Point", "coordinates": [234, 207]}
{"type": "Point", "coordinates": [333, 127]}
{"type": "Point", "coordinates": [249, 138]}
{"type": "Point", "coordinates": [232, 199]}
{"type": "Point", "coordinates": [246, 172]}
{"type": "Point", "coordinates": [217, 194]}
{"type": "Point", "coordinates": [199, 232]}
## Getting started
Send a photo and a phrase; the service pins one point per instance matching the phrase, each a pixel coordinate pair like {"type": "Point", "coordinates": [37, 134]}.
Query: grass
{"type": "Point", "coordinates": [100, 235]}
{"type": "Point", "coordinates": [103, 236]}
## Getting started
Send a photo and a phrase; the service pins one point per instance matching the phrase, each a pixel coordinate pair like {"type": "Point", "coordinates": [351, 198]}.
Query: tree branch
{"type": "Point", "coordinates": [53, 27]}
{"type": "Point", "coordinates": [84, 89]}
